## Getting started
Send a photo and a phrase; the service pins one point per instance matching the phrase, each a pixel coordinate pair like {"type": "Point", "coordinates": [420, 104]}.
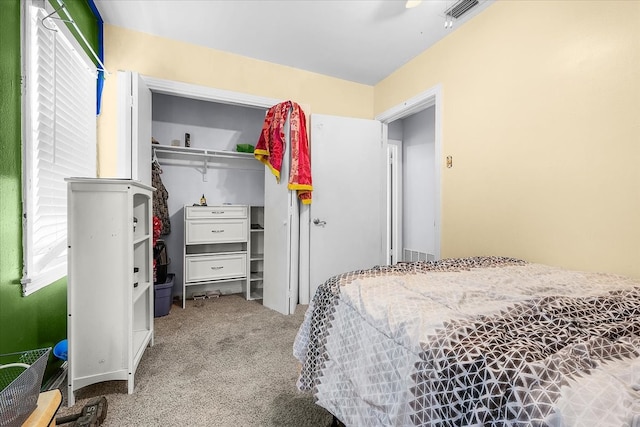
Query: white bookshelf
{"type": "Point", "coordinates": [110, 317]}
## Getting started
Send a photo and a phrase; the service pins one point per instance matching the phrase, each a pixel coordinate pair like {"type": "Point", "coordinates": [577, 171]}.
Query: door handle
{"type": "Point", "coordinates": [317, 221]}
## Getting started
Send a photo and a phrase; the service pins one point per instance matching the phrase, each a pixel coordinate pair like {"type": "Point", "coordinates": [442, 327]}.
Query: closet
{"type": "Point", "coordinates": [216, 121]}
{"type": "Point", "coordinates": [212, 168]}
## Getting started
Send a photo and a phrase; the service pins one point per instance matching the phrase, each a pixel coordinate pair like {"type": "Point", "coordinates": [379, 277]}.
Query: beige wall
{"type": "Point", "coordinates": [172, 60]}
{"type": "Point", "coordinates": [541, 114]}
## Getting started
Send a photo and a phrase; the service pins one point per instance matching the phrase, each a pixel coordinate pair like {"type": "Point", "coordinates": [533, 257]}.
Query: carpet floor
{"type": "Point", "coordinates": [219, 362]}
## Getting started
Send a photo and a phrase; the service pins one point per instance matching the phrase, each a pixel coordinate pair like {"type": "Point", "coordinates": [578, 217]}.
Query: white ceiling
{"type": "Point", "coordinates": [357, 40]}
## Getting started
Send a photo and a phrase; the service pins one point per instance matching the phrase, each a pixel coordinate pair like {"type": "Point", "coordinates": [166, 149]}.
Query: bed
{"type": "Point", "coordinates": [483, 341]}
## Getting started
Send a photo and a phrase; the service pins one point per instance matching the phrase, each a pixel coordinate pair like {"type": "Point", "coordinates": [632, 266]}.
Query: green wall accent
{"type": "Point", "coordinates": [38, 320]}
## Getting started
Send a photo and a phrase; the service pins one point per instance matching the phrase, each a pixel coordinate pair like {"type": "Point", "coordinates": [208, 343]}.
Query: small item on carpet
{"type": "Point", "coordinates": [93, 414]}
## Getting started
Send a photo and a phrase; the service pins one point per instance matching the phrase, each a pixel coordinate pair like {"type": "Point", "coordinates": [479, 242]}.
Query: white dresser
{"type": "Point", "coordinates": [215, 245]}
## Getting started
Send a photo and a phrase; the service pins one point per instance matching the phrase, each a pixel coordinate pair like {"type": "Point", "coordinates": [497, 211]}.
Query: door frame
{"type": "Point", "coordinates": [206, 93]}
{"type": "Point", "coordinates": [428, 98]}
{"type": "Point", "coordinates": [170, 87]}
{"type": "Point", "coordinates": [394, 200]}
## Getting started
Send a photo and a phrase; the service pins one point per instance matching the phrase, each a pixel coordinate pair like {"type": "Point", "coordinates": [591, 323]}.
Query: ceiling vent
{"type": "Point", "coordinates": [460, 8]}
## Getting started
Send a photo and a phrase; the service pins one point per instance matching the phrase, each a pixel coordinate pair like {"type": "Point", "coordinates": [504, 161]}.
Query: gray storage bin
{"type": "Point", "coordinates": [163, 294]}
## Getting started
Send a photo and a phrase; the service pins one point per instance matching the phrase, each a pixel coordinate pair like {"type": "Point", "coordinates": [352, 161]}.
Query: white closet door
{"type": "Point", "coordinates": [141, 131]}
{"type": "Point", "coordinates": [348, 212]}
{"type": "Point", "coordinates": [134, 128]}
{"type": "Point", "coordinates": [281, 239]}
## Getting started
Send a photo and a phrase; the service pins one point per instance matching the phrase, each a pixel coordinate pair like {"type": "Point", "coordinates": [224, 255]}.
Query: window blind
{"type": "Point", "coordinates": [59, 142]}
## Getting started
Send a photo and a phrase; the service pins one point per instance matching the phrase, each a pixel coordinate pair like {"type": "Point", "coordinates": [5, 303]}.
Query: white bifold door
{"type": "Point", "coordinates": [134, 128]}
{"type": "Point", "coordinates": [281, 238]}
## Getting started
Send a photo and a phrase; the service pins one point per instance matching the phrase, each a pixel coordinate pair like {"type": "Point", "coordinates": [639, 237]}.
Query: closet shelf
{"type": "Point", "coordinates": [140, 239]}
{"type": "Point", "coordinates": [217, 158]}
{"type": "Point", "coordinates": [140, 290]}
{"type": "Point", "coordinates": [201, 152]}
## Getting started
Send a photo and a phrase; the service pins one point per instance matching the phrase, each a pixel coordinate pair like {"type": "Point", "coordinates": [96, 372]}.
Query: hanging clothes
{"type": "Point", "coordinates": [272, 145]}
{"type": "Point", "coordinates": [160, 196]}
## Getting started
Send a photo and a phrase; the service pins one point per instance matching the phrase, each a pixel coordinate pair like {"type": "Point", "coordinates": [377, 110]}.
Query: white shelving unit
{"type": "Point", "coordinates": [110, 310]}
{"type": "Point", "coordinates": [255, 250]}
{"type": "Point", "coordinates": [215, 245]}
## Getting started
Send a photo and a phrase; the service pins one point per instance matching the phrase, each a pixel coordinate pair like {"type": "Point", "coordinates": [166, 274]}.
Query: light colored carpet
{"type": "Point", "coordinates": [219, 362]}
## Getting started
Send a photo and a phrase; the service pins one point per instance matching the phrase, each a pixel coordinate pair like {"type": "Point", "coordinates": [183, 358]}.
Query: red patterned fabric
{"type": "Point", "coordinates": [271, 147]}
{"type": "Point", "coordinates": [157, 229]}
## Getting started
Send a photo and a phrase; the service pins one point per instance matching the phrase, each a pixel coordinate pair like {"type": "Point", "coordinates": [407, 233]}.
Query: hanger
{"type": "Point", "coordinates": [154, 160]}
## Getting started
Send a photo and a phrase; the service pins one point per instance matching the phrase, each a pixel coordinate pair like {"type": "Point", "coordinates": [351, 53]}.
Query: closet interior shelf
{"type": "Point", "coordinates": [207, 156]}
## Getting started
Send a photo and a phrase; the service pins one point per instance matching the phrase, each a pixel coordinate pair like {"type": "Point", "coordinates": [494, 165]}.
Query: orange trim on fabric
{"type": "Point", "coordinates": [300, 187]}
{"type": "Point", "coordinates": [265, 161]}
{"type": "Point", "coordinates": [304, 196]}
{"type": "Point", "coordinates": [274, 171]}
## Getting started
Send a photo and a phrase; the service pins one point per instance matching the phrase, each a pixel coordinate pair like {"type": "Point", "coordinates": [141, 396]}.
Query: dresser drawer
{"type": "Point", "coordinates": [200, 268]}
{"type": "Point", "coordinates": [209, 212]}
{"type": "Point", "coordinates": [215, 231]}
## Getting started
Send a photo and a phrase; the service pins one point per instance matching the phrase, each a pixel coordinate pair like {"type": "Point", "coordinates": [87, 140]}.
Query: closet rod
{"type": "Point", "coordinates": [70, 20]}
{"type": "Point", "coordinates": [206, 153]}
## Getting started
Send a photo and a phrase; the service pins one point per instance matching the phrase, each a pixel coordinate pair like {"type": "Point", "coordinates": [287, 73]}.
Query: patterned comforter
{"type": "Point", "coordinates": [483, 341]}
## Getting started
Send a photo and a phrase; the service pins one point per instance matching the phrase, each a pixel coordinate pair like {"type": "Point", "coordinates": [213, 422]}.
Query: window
{"type": "Point", "coordinates": [58, 139]}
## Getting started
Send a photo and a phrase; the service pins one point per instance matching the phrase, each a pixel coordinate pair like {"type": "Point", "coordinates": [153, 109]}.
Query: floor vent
{"type": "Point", "coordinates": [409, 255]}
{"type": "Point", "coordinates": [460, 8]}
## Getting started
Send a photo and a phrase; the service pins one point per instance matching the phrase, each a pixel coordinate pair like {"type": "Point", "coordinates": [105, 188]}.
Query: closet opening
{"type": "Point", "coordinates": [198, 130]}
{"type": "Point", "coordinates": [194, 154]}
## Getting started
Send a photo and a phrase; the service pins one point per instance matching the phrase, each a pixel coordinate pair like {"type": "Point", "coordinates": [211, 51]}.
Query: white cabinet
{"type": "Point", "coordinates": [110, 309]}
{"type": "Point", "coordinates": [255, 278]}
{"type": "Point", "coordinates": [215, 245]}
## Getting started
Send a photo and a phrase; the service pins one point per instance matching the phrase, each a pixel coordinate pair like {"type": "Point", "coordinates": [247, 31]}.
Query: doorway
{"type": "Point", "coordinates": [413, 132]}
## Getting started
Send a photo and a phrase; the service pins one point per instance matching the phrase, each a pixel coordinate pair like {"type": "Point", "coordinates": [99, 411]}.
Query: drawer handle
{"type": "Point", "coordinates": [217, 268]}
{"type": "Point", "coordinates": [217, 231]}
{"type": "Point", "coordinates": [217, 212]}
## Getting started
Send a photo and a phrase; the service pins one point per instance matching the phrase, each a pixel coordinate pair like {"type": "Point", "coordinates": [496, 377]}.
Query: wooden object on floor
{"type": "Point", "coordinates": [45, 413]}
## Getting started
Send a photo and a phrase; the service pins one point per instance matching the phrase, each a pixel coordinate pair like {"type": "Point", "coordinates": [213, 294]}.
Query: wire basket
{"type": "Point", "coordinates": [20, 380]}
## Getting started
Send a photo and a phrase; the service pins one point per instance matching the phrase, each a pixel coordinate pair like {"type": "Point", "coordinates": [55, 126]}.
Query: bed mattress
{"type": "Point", "coordinates": [485, 341]}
